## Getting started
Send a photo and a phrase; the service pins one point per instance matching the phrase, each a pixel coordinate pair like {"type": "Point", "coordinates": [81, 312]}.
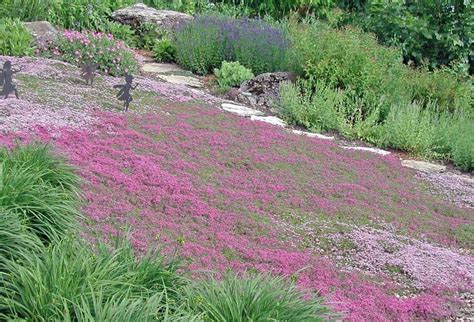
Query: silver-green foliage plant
{"type": "Point", "coordinates": [15, 39]}
{"type": "Point", "coordinates": [232, 74]}
{"type": "Point", "coordinates": [315, 107]}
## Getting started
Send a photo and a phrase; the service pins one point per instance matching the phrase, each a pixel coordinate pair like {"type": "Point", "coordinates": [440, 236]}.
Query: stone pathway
{"type": "Point", "coordinates": [171, 73]}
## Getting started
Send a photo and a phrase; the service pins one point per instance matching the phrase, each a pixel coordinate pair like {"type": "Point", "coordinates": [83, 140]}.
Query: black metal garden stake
{"type": "Point", "coordinates": [88, 72]}
{"type": "Point", "coordinates": [124, 93]}
{"type": "Point", "coordinates": [6, 79]}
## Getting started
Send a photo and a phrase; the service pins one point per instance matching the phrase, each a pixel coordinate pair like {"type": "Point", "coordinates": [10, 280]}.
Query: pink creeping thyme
{"type": "Point", "coordinates": [227, 193]}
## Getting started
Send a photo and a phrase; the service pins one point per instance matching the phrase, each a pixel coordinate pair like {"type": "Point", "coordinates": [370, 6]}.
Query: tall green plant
{"type": "Point", "coordinates": [40, 189]}
{"type": "Point", "coordinates": [281, 8]}
{"type": "Point", "coordinates": [259, 298]}
{"type": "Point", "coordinates": [70, 281]}
{"type": "Point", "coordinates": [15, 39]}
{"type": "Point", "coordinates": [17, 242]}
{"type": "Point", "coordinates": [428, 32]}
{"type": "Point", "coordinates": [26, 10]}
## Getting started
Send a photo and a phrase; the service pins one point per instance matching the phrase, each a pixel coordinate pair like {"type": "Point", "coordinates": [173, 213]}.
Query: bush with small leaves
{"type": "Point", "coordinates": [164, 51]}
{"type": "Point", "coordinates": [232, 74]}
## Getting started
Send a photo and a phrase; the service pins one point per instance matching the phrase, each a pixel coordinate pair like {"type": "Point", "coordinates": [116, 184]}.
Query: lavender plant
{"type": "Point", "coordinates": [204, 43]}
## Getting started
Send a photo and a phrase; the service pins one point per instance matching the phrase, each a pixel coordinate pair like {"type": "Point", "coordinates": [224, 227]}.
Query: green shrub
{"type": "Point", "coordinates": [112, 56]}
{"type": "Point", "coordinates": [70, 280]}
{"type": "Point", "coordinates": [83, 14]}
{"type": "Point", "coordinates": [410, 127]}
{"type": "Point", "coordinates": [316, 108]}
{"type": "Point", "coordinates": [147, 35]}
{"type": "Point", "coordinates": [449, 93]}
{"type": "Point", "coordinates": [16, 40]}
{"type": "Point", "coordinates": [350, 60]}
{"type": "Point", "coordinates": [205, 42]}
{"type": "Point", "coordinates": [457, 142]}
{"type": "Point", "coordinates": [25, 10]}
{"type": "Point", "coordinates": [164, 51]}
{"type": "Point", "coordinates": [433, 32]}
{"type": "Point", "coordinates": [120, 31]}
{"type": "Point", "coordinates": [281, 8]}
{"type": "Point", "coordinates": [39, 188]}
{"type": "Point", "coordinates": [232, 74]}
{"type": "Point", "coordinates": [259, 298]}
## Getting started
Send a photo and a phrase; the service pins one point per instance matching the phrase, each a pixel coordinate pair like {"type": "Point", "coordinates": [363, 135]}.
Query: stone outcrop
{"type": "Point", "coordinates": [42, 31]}
{"type": "Point", "coordinates": [263, 90]}
{"type": "Point", "coordinates": [139, 13]}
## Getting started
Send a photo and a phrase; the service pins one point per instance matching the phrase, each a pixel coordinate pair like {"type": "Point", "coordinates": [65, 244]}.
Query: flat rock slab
{"type": "Point", "coordinates": [313, 135]}
{"type": "Point", "coordinates": [161, 68]}
{"type": "Point", "coordinates": [269, 119]}
{"type": "Point", "coordinates": [363, 148]}
{"type": "Point", "coordinates": [423, 166]}
{"type": "Point", "coordinates": [240, 110]}
{"type": "Point", "coordinates": [139, 13]}
{"type": "Point", "coordinates": [182, 80]}
{"type": "Point", "coordinates": [42, 31]}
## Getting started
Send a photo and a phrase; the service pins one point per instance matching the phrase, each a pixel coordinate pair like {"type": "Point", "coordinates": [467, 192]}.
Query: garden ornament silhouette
{"type": "Point", "coordinates": [88, 72]}
{"type": "Point", "coordinates": [6, 80]}
{"type": "Point", "coordinates": [124, 93]}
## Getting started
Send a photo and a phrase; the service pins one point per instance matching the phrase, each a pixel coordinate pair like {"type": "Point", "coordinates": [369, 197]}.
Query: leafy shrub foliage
{"type": "Point", "coordinates": [383, 101]}
{"type": "Point", "coordinates": [281, 8]}
{"type": "Point", "coordinates": [147, 35]}
{"type": "Point", "coordinates": [205, 42]}
{"type": "Point", "coordinates": [438, 32]}
{"type": "Point", "coordinates": [16, 40]}
{"type": "Point", "coordinates": [83, 14]}
{"type": "Point", "coordinates": [318, 109]}
{"type": "Point", "coordinates": [259, 298]}
{"type": "Point", "coordinates": [119, 31]}
{"type": "Point", "coordinates": [164, 50]}
{"type": "Point", "coordinates": [232, 74]}
{"type": "Point", "coordinates": [112, 56]}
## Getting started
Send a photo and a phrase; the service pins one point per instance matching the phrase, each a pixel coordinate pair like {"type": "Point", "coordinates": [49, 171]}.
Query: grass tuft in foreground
{"type": "Point", "coordinates": [40, 189]}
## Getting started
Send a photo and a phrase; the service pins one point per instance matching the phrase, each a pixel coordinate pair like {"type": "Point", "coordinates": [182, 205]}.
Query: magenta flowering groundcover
{"type": "Point", "coordinates": [228, 193]}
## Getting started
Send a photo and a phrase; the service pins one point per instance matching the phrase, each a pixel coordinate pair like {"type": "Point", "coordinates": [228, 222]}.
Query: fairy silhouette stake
{"type": "Point", "coordinates": [88, 72]}
{"type": "Point", "coordinates": [124, 93]}
{"type": "Point", "coordinates": [6, 79]}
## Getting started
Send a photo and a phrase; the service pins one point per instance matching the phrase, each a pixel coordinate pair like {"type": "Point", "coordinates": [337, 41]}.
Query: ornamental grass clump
{"type": "Point", "coordinates": [72, 281]}
{"type": "Point", "coordinates": [17, 242]}
{"type": "Point", "coordinates": [205, 42]}
{"type": "Point", "coordinates": [40, 189]}
{"type": "Point", "coordinates": [258, 298]}
{"type": "Point", "coordinates": [114, 57]}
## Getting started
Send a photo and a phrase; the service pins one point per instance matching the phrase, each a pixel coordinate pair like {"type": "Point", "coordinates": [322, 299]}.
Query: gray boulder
{"type": "Point", "coordinates": [140, 13]}
{"type": "Point", "coordinates": [42, 31]}
{"type": "Point", "coordinates": [263, 91]}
